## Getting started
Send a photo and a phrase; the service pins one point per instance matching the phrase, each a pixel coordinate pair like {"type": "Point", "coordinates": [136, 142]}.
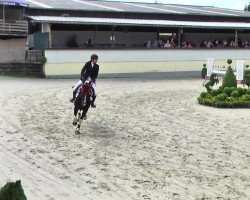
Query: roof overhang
{"type": "Point", "coordinates": [138, 22]}
{"type": "Point", "coordinates": [21, 3]}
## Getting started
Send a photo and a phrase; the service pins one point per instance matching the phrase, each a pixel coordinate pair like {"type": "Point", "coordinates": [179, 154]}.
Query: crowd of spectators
{"type": "Point", "coordinates": [217, 43]}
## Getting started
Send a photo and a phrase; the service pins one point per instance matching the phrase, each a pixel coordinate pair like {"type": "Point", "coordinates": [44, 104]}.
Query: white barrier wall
{"type": "Point", "coordinates": [173, 61]}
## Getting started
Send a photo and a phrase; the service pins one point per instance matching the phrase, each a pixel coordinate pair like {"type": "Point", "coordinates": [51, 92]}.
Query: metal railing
{"type": "Point", "coordinates": [34, 55]}
{"type": "Point", "coordinates": [15, 27]}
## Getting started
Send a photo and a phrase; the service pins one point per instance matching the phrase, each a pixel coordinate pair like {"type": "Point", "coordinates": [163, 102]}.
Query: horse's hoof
{"type": "Point", "coordinates": [84, 117]}
{"type": "Point", "coordinates": [74, 123]}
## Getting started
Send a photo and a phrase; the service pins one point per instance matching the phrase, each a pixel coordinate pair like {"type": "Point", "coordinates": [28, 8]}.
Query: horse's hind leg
{"type": "Point", "coordinates": [74, 121]}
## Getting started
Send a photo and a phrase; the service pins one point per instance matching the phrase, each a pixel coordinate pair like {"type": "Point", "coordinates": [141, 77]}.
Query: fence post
{"type": "Point", "coordinates": [210, 65]}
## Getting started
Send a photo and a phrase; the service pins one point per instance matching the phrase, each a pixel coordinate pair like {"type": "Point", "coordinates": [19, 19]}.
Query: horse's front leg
{"type": "Point", "coordinates": [79, 124]}
{"type": "Point", "coordinates": [75, 116]}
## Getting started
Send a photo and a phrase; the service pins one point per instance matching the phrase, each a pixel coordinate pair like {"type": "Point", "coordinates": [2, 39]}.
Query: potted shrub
{"type": "Point", "coordinates": [204, 71]}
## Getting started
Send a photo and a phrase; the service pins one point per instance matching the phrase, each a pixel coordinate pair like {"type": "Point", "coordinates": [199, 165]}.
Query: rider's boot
{"type": "Point", "coordinates": [74, 97]}
{"type": "Point", "coordinates": [93, 102]}
{"type": "Point", "coordinates": [75, 121]}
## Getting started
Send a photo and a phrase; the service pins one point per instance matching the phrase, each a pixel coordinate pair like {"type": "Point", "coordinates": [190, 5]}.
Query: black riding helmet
{"type": "Point", "coordinates": [94, 57]}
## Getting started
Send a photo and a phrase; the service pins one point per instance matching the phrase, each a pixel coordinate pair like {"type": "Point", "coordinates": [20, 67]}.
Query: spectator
{"type": "Point", "coordinates": [167, 45]}
{"type": "Point", "coordinates": [204, 44]}
{"type": "Point", "coordinates": [172, 43]}
{"type": "Point", "coordinates": [184, 44]}
{"type": "Point", "coordinates": [155, 44]}
{"type": "Point", "coordinates": [225, 44]}
{"type": "Point", "coordinates": [189, 46]}
{"type": "Point", "coordinates": [231, 44]}
{"type": "Point", "coordinates": [89, 43]}
{"type": "Point", "coordinates": [160, 44]}
{"type": "Point", "coordinates": [246, 44]}
{"type": "Point", "coordinates": [149, 44]}
{"type": "Point", "coordinates": [209, 44]}
{"type": "Point", "coordinates": [216, 43]}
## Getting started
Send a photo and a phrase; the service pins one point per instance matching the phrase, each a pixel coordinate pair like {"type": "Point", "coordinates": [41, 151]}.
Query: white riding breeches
{"type": "Point", "coordinates": [94, 88]}
{"type": "Point", "coordinates": [77, 86]}
{"type": "Point", "coordinates": [79, 83]}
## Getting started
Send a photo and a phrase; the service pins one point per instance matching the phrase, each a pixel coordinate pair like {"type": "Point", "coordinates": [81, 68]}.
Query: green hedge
{"type": "Point", "coordinates": [228, 98]}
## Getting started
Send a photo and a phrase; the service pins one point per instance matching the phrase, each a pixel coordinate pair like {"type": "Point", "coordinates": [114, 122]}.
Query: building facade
{"type": "Point", "coordinates": [124, 34]}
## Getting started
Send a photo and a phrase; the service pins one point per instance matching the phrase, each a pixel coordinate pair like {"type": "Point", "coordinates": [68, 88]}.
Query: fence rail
{"type": "Point", "coordinates": [34, 55]}
{"type": "Point", "coordinates": [16, 27]}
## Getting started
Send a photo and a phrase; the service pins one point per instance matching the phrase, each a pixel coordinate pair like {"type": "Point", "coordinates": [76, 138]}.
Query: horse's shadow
{"type": "Point", "coordinates": [97, 130]}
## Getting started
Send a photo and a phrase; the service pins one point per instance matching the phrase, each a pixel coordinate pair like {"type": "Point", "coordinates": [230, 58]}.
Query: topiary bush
{"type": "Point", "coordinates": [220, 90]}
{"type": "Point", "coordinates": [229, 79]}
{"type": "Point", "coordinates": [241, 91]}
{"type": "Point", "coordinates": [221, 97]}
{"type": "Point", "coordinates": [204, 71]}
{"type": "Point", "coordinates": [228, 90]}
{"type": "Point", "coordinates": [203, 94]}
{"type": "Point", "coordinates": [12, 191]}
{"type": "Point", "coordinates": [214, 93]}
{"type": "Point", "coordinates": [246, 97]}
{"type": "Point", "coordinates": [229, 61]}
{"type": "Point", "coordinates": [235, 94]}
{"type": "Point", "coordinates": [246, 80]}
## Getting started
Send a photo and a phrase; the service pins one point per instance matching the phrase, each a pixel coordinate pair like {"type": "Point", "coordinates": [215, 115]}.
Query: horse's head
{"type": "Point", "coordinates": [86, 88]}
{"type": "Point", "coordinates": [214, 78]}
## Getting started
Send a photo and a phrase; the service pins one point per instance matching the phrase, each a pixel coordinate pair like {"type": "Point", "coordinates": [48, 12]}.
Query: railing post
{"type": "Point", "coordinates": [4, 17]}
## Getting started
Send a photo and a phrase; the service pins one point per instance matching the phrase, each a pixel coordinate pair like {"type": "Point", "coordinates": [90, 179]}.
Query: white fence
{"type": "Point", "coordinates": [221, 70]}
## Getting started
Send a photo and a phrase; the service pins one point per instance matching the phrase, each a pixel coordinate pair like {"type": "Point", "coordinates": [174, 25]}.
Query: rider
{"type": "Point", "coordinates": [89, 73]}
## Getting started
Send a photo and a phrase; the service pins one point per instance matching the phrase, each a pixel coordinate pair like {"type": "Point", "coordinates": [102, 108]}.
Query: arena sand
{"type": "Point", "coordinates": [147, 139]}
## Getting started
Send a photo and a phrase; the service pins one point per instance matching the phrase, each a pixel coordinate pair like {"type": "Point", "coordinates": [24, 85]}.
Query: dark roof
{"type": "Point", "coordinates": [114, 6]}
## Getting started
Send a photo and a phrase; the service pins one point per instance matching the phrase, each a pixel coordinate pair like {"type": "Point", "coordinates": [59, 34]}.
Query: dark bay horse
{"type": "Point", "coordinates": [82, 104]}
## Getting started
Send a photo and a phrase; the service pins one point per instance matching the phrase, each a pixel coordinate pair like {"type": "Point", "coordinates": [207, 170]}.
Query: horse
{"type": "Point", "coordinates": [213, 80]}
{"type": "Point", "coordinates": [82, 104]}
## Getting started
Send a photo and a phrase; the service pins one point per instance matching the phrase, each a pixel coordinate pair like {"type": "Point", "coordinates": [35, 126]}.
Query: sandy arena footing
{"type": "Point", "coordinates": [147, 139]}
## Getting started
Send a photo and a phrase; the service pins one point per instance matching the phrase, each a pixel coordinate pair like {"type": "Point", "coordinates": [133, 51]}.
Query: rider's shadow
{"type": "Point", "coordinates": [96, 130]}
